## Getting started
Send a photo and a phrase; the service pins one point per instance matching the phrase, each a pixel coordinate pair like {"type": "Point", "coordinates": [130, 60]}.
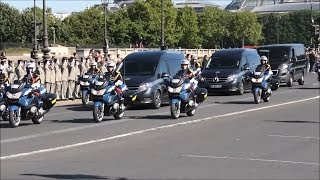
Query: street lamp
{"type": "Point", "coordinates": [34, 52]}
{"type": "Point", "coordinates": [162, 26]}
{"type": "Point", "coordinates": [54, 35]}
{"type": "Point", "coordinates": [105, 43]}
{"type": "Point", "coordinates": [45, 49]}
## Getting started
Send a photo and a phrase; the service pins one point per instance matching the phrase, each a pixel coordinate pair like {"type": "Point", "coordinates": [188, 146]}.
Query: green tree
{"type": "Point", "coordinates": [187, 22]}
{"type": "Point", "coordinates": [10, 21]}
{"type": "Point", "coordinates": [244, 28]}
{"type": "Point", "coordinates": [212, 26]}
{"type": "Point", "coordinates": [146, 22]}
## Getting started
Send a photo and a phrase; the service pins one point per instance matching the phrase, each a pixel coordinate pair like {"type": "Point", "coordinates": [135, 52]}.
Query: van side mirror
{"type": "Point", "coordinates": [164, 75]}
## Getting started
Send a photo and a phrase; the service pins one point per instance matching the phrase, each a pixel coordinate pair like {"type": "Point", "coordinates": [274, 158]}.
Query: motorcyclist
{"type": "Point", "coordinates": [115, 76]}
{"type": "Point", "coordinates": [185, 71]}
{"type": "Point", "coordinates": [32, 79]}
{"type": "Point", "coordinates": [266, 68]}
{"type": "Point", "coordinates": [94, 70]}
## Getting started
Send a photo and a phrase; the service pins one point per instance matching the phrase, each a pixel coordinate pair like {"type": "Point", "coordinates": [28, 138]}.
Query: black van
{"type": "Point", "coordinates": [229, 69]}
{"type": "Point", "coordinates": [145, 73]}
{"type": "Point", "coordinates": [288, 62]}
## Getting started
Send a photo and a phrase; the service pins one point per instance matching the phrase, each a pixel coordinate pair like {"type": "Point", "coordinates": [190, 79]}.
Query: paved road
{"type": "Point", "coordinates": [229, 137]}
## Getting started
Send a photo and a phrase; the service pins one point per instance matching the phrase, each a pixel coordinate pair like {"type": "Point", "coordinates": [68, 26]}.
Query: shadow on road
{"type": "Point", "coordinates": [310, 88]}
{"type": "Point", "coordinates": [236, 102]}
{"type": "Point", "coordinates": [73, 176]}
{"type": "Point", "coordinates": [152, 117]}
{"type": "Point", "coordinates": [293, 121]}
{"type": "Point", "coordinates": [85, 120]}
{"type": "Point", "coordinates": [5, 124]}
{"type": "Point", "coordinates": [80, 108]}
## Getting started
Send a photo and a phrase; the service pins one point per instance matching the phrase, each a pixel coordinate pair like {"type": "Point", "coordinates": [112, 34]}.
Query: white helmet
{"type": "Point", "coordinates": [93, 63]}
{"type": "Point", "coordinates": [264, 58]}
{"type": "Point", "coordinates": [185, 62]}
{"type": "Point", "coordinates": [111, 64]}
{"type": "Point", "coordinates": [31, 67]}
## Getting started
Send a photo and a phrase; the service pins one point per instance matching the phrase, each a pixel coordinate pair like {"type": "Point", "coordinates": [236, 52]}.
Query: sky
{"type": "Point", "coordinates": [77, 5]}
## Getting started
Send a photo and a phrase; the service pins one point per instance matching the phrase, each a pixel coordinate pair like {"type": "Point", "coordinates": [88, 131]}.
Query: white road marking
{"type": "Point", "coordinates": [303, 137]}
{"type": "Point", "coordinates": [251, 159]}
{"type": "Point", "coordinates": [151, 129]}
{"type": "Point", "coordinates": [96, 125]}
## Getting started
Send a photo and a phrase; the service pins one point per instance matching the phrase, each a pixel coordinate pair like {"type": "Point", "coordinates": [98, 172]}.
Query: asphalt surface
{"type": "Point", "coordinates": [229, 137]}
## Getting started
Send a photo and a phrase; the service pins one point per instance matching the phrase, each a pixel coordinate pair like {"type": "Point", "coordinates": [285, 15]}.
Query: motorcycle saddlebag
{"type": "Point", "coordinates": [49, 100]}
{"type": "Point", "coordinates": [202, 94]}
{"type": "Point", "coordinates": [275, 83]}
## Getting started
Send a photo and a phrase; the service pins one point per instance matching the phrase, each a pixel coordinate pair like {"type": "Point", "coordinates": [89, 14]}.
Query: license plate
{"type": "Point", "coordinates": [216, 86]}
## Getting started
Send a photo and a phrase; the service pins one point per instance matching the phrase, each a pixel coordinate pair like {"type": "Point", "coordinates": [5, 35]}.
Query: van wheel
{"type": "Point", "coordinates": [290, 82]}
{"type": "Point", "coordinates": [156, 100]}
{"type": "Point", "coordinates": [241, 88]}
{"type": "Point", "coordinates": [301, 80]}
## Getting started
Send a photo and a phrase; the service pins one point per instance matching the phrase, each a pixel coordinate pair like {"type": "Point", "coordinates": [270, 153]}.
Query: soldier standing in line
{"type": "Point", "coordinates": [11, 71]}
{"type": "Point", "coordinates": [40, 69]}
{"type": "Point", "coordinates": [83, 68]}
{"type": "Point", "coordinates": [77, 86]}
{"type": "Point", "coordinates": [47, 70]}
{"type": "Point", "coordinates": [57, 69]}
{"type": "Point", "coordinates": [53, 77]}
{"type": "Point", "coordinates": [71, 79]}
{"type": "Point", "coordinates": [20, 70]}
{"type": "Point", "coordinates": [64, 78]}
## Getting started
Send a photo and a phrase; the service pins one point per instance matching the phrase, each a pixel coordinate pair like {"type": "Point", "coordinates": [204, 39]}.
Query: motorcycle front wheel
{"type": "Point", "coordinates": [175, 111]}
{"type": "Point", "coordinates": [85, 98]}
{"type": "Point", "coordinates": [98, 113]}
{"type": "Point", "coordinates": [257, 97]}
{"type": "Point", "coordinates": [14, 118]}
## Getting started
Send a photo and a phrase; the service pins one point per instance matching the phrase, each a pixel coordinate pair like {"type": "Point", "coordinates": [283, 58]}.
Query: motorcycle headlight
{"type": "Point", "coordinates": [14, 96]}
{"type": "Point", "coordinates": [283, 66]}
{"type": "Point", "coordinates": [174, 90]}
{"type": "Point", "coordinates": [144, 87]}
{"type": "Point", "coordinates": [82, 83]}
{"type": "Point", "coordinates": [232, 77]}
{"type": "Point", "coordinates": [98, 93]}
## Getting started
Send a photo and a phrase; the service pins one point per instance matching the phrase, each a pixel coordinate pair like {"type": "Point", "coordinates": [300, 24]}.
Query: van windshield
{"type": "Point", "coordinates": [275, 54]}
{"type": "Point", "coordinates": [140, 67]}
{"type": "Point", "coordinates": [223, 62]}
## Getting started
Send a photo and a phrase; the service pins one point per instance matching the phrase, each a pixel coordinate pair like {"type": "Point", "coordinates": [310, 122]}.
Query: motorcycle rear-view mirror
{"type": "Point", "coordinates": [164, 75]}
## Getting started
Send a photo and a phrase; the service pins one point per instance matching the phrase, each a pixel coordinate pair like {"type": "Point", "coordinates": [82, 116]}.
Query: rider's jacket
{"type": "Point", "coordinates": [95, 71]}
{"type": "Point", "coordinates": [113, 76]}
{"type": "Point", "coordinates": [263, 67]}
{"type": "Point", "coordinates": [186, 73]}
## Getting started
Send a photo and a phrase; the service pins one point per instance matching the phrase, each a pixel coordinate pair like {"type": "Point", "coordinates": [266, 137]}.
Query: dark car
{"type": "Point", "coordinates": [229, 70]}
{"type": "Point", "coordinates": [288, 62]}
{"type": "Point", "coordinates": [145, 73]}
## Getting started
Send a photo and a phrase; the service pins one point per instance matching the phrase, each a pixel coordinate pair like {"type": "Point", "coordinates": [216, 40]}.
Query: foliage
{"type": "Point", "coordinates": [213, 28]}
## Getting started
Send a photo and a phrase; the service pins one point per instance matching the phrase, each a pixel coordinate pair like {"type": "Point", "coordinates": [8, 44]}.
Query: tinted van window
{"type": "Point", "coordinates": [163, 67]}
{"type": "Point", "coordinates": [222, 62]}
{"type": "Point", "coordinates": [174, 65]}
{"type": "Point", "coordinates": [253, 59]}
{"type": "Point", "coordinates": [141, 67]}
{"type": "Point", "coordinates": [275, 54]}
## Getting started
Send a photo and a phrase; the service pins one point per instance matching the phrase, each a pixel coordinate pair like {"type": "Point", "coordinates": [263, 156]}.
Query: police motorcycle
{"type": "Point", "coordinates": [262, 85]}
{"type": "Point", "coordinates": [185, 95]}
{"type": "Point", "coordinates": [27, 101]}
{"type": "Point", "coordinates": [85, 82]}
{"type": "Point", "coordinates": [105, 98]}
{"type": "Point", "coordinates": [3, 105]}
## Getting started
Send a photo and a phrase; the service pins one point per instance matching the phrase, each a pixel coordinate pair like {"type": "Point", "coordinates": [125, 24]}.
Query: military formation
{"type": "Point", "coordinates": [58, 76]}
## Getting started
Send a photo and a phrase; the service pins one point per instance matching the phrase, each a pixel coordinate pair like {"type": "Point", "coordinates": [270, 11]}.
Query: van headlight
{"type": "Point", "coordinates": [283, 66]}
{"type": "Point", "coordinates": [144, 87]}
{"type": "Point", "coordinates": [14, 96]}
{"type": "Point", "coordinates": [232, 77]}
{"type": "Point", "coordinates": [98, 92]}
